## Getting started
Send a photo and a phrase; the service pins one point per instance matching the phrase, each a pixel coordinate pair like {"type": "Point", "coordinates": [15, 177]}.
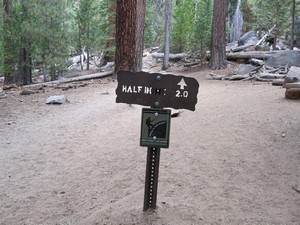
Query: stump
{"type": "Point", "coordinates": [292, 93]}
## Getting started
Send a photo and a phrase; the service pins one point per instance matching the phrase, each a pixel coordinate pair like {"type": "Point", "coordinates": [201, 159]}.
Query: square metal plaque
{"type": "Point", "coordinates": [155, 128]}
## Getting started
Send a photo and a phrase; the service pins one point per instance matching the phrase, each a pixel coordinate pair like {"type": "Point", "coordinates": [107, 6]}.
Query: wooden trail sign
{"type": "Point", "coordinates": [157, 90]}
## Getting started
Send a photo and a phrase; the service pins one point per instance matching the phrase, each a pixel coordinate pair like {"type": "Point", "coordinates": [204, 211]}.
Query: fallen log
{"type": "Point", "coordinates": [262, 79]}
{"type": "Point", "coordinates": [270, 76]}
{"type": "Point", "coordinates": [248, 78]}
{"type": "Point", "coordinates": [69, 80]}
{"type": "Point", "coordinates": [250, 55]}
{"type": "Point", "coordinates": [191, 64]}
{"type": "Point", "coordinates": [292, 93]}
{"type": "Point", "coordinates": [241, 48]}
{"type": "Point", "coordinates": [239, 77]}
{"type": "Point", "coordinates": [216, 76]}
{"type": "Point", "coordinates": [265, 36]}
{"type": "Point", "coordinates": [257, 62]}
{"type": "Point", "coordinates": [172, 56]}
{"type": "Point", "coordinates": [9, 86]}
{"type": "Point", "coordinates": [292, 85]}
{"type": "Point", "coordinates": [278, 82]}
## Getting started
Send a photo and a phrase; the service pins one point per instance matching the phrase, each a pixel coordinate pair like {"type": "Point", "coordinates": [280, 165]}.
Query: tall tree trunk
{"type": "Point", "coordinates": [25, 64]}
{"type": "Point", "coordinates": [275, 39]}
{"type": "Point", "coordinates": [218, 41]}
{"type": "Point", "coordinates": [167, 35]}
{"type": "Point", "coordinates": [88, 48]}
{"type": "Point", "coordinates": [130, 20]}
{"type": "Point", "coordinates": [25, 67]}
{"type": "Point", "coordinates": [139, 34]}
{"type": "Point", "coordinates": [293, 24]}
{"type": "Point", "coordinates": [7, 44]}
{"type": "Point", "coordinates": [88, 58]}
{"type": "Point", "coordinates": [52, 50]}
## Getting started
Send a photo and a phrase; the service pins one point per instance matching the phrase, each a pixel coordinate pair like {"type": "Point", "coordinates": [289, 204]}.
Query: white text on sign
{"type": "Point", "coordinates": [141, 89]}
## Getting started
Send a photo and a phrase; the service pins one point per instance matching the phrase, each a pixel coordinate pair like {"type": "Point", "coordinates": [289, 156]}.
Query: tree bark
{"type": "Point", "coordinates": [139, 34]}
{"type": "Point", "coordinates": [130, 20]}
{"type": "Point", "coordinates": [292, 93]}
{"type": "Point", "coordinates": [26, 67]}
{"type": "Point", "coordinates": [218, 41]}
{"type": "Point", "coordinates": [25, 76]}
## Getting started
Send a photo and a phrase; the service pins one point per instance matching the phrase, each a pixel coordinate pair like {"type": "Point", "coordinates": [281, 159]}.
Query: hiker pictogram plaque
{"type": "Point", "coordinates": [155, 129]}
{"type": "Point", "coordinates": [157, 90]}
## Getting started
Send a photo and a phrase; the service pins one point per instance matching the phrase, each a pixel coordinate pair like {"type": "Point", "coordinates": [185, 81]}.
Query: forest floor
{"type": "Point", "coordinates": [233, 161]}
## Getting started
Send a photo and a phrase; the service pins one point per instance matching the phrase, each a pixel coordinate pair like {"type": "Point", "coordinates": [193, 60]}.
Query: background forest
{"type": "Point", "coordinates": [41, 35]}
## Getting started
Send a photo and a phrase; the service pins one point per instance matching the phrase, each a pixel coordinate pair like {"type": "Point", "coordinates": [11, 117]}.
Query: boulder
{"type": "Point", "coordinates": [293, 75]}
{"type": "Point", "coordinates": [284, 58]}
{"type": "Point", "coordinates": [58, 99]}
{"type": "Point", "coordinates": [245, 69]}
{"type": "Point", "coordinates": [248, 38]}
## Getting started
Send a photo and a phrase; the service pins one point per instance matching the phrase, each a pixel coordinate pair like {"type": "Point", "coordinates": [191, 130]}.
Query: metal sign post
{"type": "Point", "coordinates": [151, 179]}
{"type": "Point", "coordinates": [158, 91]}
{"type": "Point", "coordinates": [155, 132]}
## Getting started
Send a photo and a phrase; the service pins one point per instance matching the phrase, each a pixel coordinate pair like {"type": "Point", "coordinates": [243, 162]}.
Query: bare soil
{"type": "Point", "coordinates": [235, 160]}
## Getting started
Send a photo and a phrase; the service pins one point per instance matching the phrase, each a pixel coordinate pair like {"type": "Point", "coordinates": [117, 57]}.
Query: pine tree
{"type": "Point", "coordinates": [273, 12]}
{"type": "Point", "coordinates": [52, 35]}
{"type": "Point", "coordinates": [218, 39]}
{"type": "Point", "coordinates": [89, 22]}
{"type": "Point", "coordinates": [182, 27]}
{"type": "Point", "coordinates": [154, 22]}
{"type": "Point", "coordinates": [107, 28]}
{"type": "Point", "coordinates": [201, 34]}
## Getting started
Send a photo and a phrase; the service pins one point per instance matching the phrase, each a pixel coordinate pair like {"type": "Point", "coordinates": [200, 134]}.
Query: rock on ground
{"type": "Point", "coordinates": [284, 58]}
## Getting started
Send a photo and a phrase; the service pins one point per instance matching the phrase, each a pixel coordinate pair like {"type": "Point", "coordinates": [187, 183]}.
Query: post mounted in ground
{"type": "Point", "coordinates": [157, 91]}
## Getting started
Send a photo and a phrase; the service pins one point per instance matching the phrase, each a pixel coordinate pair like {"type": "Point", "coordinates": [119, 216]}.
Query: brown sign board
{"type": "Point", "coordinates": [157, 90]}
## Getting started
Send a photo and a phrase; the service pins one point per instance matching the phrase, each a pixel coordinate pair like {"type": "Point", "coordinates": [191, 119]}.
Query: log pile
{"type": "Point", "coordinates": [257, 73]}
{"type": "Point", "coordinates": [277, 67]}
{"type": "Point", "coordinates": [286, 77]}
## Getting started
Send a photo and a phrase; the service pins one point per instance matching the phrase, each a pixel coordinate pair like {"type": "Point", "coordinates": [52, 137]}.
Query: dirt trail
{"type": "Point", "coordinates": [235, 160]}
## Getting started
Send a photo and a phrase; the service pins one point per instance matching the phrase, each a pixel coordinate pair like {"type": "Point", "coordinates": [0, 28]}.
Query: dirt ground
{"type": "Point", "coordinates": [233, 161]}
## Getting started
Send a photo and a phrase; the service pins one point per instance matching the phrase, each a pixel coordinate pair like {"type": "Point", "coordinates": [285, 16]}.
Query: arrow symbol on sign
{"type": "Point", "coordinates": [182, 84]}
